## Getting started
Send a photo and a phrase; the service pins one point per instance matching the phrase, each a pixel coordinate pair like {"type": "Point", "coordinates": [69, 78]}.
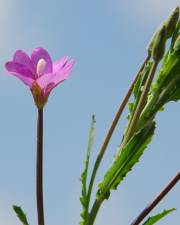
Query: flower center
{"type": "Point", "coordinates": [40, 67]}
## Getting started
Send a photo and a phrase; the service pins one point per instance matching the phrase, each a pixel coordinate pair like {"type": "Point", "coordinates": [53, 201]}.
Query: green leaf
{"type": "Point", "coordinates": [21, 215]}
{"type": "Point", "coordinates": [125, 161]}
{"type": "Point", "coordinates": [175, 35]}
{"type": "Point", "coordinates": [83, 197]}
{"type": "Point", "coordinates": [152, 220]}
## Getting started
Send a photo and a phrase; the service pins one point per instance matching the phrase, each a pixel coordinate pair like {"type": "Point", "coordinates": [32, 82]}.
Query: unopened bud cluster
{"type": "Point", "coordinates": [156, 46]}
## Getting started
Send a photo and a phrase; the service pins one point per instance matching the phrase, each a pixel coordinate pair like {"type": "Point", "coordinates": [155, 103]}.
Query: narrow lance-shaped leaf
{"type": "Point", "coordinates": [83, 197]}
{"type": "Point", "coordinates": [154, 219]}
{"type": "Point", "coordinates": [21, 215]}
{"type": "Point", "coordinates": [125, 161]}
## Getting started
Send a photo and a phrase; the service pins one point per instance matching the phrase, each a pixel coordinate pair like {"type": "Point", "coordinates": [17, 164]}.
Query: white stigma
{"type": "Point", "coordinates": [40, 67]}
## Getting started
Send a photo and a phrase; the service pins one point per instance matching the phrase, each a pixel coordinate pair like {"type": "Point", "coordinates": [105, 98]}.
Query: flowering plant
{"type": "Point", "coordinates": [151, 92]}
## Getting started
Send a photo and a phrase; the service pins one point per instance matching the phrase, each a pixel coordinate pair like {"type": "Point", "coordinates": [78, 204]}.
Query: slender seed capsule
{"type": "Point", "coordinates": [177, 43]}
{"type": "Point", "coordinates": [159, 44]}
{"type": "Point", "coordinates": [171, 22]}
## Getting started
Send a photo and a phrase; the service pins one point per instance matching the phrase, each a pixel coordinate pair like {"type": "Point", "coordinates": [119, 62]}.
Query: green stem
{"type": "Point", "coordinates": [94, 211]}
{"type": "Point", "coordinates": [39, 169]}
{"type": "Point", "coordinates": [140, 105]}
{"type": "Point", "coordinates": [111, 130]}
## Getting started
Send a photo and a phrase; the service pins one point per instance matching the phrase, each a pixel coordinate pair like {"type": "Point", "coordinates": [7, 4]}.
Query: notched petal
{"type": "Point", "coordinates": [58, 65]}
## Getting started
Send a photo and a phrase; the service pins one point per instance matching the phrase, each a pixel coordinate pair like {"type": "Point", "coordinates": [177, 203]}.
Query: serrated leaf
{"type": "Point", "coordinates": [21, 215]}
{"type": "Point", "coordinates": [83, 197]}
{"type": "Point", "coordinates": [127, 158]}
{"type": "Point", "coordinates": [168, 72]}
{"type": "Point", "coordinates": [153, 219]}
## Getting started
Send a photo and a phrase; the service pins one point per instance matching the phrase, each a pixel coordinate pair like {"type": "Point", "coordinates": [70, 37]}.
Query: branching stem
{"type": "Point", "coordinates": [163, 193]}
{"type": "Point", "coordinates": [111, 130]}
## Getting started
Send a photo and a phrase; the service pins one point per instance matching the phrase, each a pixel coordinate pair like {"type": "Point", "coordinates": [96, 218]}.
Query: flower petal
{"type": "Point", "coordinates": [45, 80]}
{"type": "Point", "coordinates": [64, 73]}
{"type": "Point", "coordinates": [54, 82]}
{"type": "Point", "coordinates": [69, 64]}
{"type": "Point", "coordinates": [22, 58]}
{"type": "Point", "coordinates": [49, 81]}
{"type": "Point", "coordinates": [40, 53]}
{"type": "Point", "coordinates": [60, 63]}
{"type": "Point", "coordinates": [18, 68]}
{"type": "Point", "coordinates": [48, 89]}
{"type": "Point", "coordinates": [20, 71]}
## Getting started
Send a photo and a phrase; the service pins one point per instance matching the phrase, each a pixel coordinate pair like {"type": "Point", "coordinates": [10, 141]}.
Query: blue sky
{"type": "Point", "coordinates": [108, 39]}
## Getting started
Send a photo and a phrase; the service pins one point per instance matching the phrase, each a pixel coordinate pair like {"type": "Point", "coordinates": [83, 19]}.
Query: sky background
{"type": "Point", "coordinates": [107, 38]}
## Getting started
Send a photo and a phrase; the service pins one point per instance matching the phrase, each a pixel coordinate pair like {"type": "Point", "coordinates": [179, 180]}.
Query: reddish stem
{"type": "Point", "coordinates": [163, 193]}
{"type": "Point", "coordinates": [39, 168]}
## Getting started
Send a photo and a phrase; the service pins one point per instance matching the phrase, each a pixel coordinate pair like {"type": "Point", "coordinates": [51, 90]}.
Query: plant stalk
{"type": "Point", "coordinates": [39, 169]}
{"type": "Point", "coordinates": [163, 193]}
{"type": "Point", "coordinates": [94, 211]}
{"type": "Point", "coordinates": [111, 130]}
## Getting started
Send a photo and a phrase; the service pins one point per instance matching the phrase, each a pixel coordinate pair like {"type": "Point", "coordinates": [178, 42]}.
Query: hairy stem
{"type": "Point", "coordinates": [111, 130]}
{"type": "Point", "coordinates": [39, 168]}
{"type": "Point", "coordinates": [163, 193]}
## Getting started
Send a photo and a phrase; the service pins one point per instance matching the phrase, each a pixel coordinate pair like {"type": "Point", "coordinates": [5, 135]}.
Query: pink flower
{"type": "Point", "coordinates": [39, 73]}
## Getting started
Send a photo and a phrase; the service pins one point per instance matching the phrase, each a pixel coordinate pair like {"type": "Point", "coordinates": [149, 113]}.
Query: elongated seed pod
{"type": "Point", "coordinates": [171, 22]}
